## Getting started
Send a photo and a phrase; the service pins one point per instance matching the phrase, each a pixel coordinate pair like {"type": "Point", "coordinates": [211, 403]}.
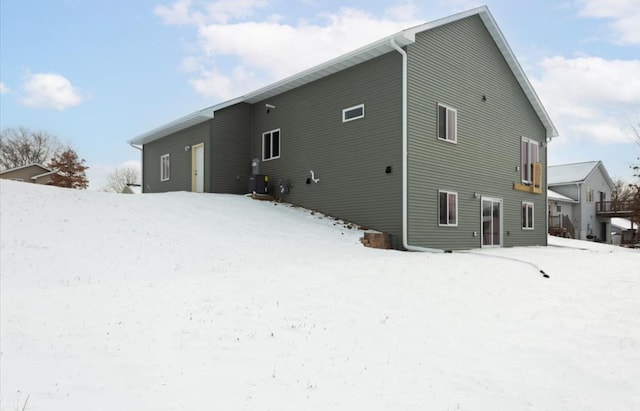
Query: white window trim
{"type": "Point", "coordinates": [270, 132]}
{"type": "Point", "coordinates": [457, 215]}
{"type": "Point", "coordinates": [530, 142]}
{"type": "Point", "coordinates": [163, 158]}
{"type": "Point", "coordinates": [525, 226]}
{"type": "Point", "coordinates": [455, 136]}
{"type": "Point", "coordinates": [590, 195]}
{"type": "Point", "coordinates": [344, 113]}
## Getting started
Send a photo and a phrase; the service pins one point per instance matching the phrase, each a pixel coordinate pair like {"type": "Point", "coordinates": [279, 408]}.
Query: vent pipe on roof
{"type": "Point", "coordinates": [405, 202]}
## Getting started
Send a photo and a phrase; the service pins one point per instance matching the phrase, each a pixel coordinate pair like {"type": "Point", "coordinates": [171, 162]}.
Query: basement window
{"type": "Point", "coordinates": [165, 167]}
{"type": "Point", "coordinates": [447, 123]}
{"type": "Point", "coordinates": [448, 208]}
{"type": "Point", "coordinates": [271, 145]}
{"type": "Point", "coordinates": [353, 113]}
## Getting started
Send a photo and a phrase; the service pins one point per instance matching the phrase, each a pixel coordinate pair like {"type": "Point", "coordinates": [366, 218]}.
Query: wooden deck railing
{"type": "Point", "coordinates": [561, 225]}
{"type": "Point", "coordinates": [616, 207]}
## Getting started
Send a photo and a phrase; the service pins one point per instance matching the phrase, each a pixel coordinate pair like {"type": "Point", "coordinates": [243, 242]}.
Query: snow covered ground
{"type": "Point", "coordinates": [198, 301]}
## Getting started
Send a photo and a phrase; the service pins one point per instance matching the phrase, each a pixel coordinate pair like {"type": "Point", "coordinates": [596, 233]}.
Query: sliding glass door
{"type": "Point", "coordinates": [491, 222]}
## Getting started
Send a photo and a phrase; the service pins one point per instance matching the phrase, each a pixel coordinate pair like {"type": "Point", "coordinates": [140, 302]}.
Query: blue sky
{"type": "Point", "coordinates": [97, 73]}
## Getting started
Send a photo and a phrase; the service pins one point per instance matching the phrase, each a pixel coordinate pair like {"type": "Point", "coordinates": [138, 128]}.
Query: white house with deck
{"type": "Point", "coordinates": [579, 199]}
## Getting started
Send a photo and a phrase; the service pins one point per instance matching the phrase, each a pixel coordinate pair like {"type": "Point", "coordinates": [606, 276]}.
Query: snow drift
{"type": "Point", "coordinates": [201, 301]}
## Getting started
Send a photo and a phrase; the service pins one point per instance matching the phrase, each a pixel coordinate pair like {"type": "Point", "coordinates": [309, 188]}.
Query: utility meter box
{"type": "Point", "coordinates": [258, 183]}
{"type": "Point", "coordinates": [283, 187]}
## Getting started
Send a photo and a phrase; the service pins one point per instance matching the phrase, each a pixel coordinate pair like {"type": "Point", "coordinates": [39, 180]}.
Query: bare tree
{"type": "Point", "coordinates": [120, 177]}
{"type": "Point", "coordinates": [621, 190]}
{"type": "Point", "coordinates": [635, 187]}
{"type": "Point", "coordinates": [635, 127]}
{"type": "Point", "coordinates": [21, 146]}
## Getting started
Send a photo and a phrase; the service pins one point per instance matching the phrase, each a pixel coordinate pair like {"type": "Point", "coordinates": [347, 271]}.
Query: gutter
{"type": "Point", "coordinates": [405, 167]}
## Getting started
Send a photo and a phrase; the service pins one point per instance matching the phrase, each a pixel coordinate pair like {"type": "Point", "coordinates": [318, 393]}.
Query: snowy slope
{"type": "Point", "coordinates": [200, 301]}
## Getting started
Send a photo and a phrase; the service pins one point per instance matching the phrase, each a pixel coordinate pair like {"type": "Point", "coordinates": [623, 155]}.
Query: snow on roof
{"type": "Point", "coordinates": [622, 223]}
{"type": "Point", "coordinates": [552, 195]}
{"type": "Point", "coordinates": [574, 173]}
{"type": "Point", "coordinates": [44, 174]}
{"type": "Point", "coordinates": [366, 53]}
{"type": "Point", "coordinates": [25, 166]}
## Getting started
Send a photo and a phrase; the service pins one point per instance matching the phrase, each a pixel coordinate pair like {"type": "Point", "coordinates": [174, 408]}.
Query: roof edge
{"type": "Point", "coordinates": [364, 53]}
{"type": "Point", "coordinates": [179, 124]}
{"type": "Point", "coordinates": [25, 166]}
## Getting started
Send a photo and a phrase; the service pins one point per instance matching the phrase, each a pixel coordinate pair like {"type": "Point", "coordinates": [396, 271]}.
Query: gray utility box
{"type": "Point", "coordinates": [284, 186]}
{"type": "Point", "coordinates": [258, 183]}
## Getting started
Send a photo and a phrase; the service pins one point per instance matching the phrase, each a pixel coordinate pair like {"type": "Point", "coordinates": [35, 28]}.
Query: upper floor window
{"type": "Point", "coordinates": [527, 216]}
{"type": "Point", "coordinates": [447, 123]}
{"type": "Point", "coordinates": [448, 208]}
{"type": "Point", "coordinates": [271, 145]}
{"type": "Point", "coordinates": [165, 167]}
{"type": "Point", "coordinates": [528, 157]}
{"type": "Point", "coordinates": [353, 113]}
{"type": "Point", "coordinates": [589, 195]}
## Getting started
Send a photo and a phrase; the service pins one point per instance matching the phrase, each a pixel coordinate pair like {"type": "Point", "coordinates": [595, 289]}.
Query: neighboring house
{"type": "Point", "coordinates": [433, 135]}
{"type": "Point", "coordinates": [586, 188]}
{"type": "Point", "coordinates": [561, 214]}
{"type": "Point", "coordinates": [33, 173]}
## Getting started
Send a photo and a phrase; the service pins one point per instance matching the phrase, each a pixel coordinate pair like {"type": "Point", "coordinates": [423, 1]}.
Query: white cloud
{"type": "Point", "coordinates": [176, 14]}
{"type": "Point", "coordinates": [3, 88]}
{"type": "Point", "coordinates": [265, 51]}
{"type": "Point", "coordinates": [49, 90]}
{"type": "Point", "coordinates": [403, 11]}
{"type": "Point", "coordinates": [183, 12]}
{"type": "Point", "coordinates": [590, 98]}
{"type": "Point", "coordinates": [213, 83]}
{"type": "Point", "coordinates": [624, 16]}
{"type": "Point", "coordinates": [222, 11]}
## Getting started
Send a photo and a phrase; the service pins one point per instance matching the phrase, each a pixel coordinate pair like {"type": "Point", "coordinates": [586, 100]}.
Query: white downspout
{"type": "Point", "coordinates": [141, 165]}
{"type": "Point", "coordinates": [405, 145]}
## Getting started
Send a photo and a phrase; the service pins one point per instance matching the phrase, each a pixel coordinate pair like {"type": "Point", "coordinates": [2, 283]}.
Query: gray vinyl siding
{"type": "Point", "coordinates": [230, 149]}
{"type": "Point", "coordinates": [174, 144]}
{"type": "Point", "coordinates": [350, 158]}
{"type": "Point", "coordinates": [456, 65]}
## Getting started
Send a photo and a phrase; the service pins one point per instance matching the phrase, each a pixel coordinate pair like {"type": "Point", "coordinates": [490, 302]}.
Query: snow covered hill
{"type": "Point", "coordinates": [200, 301]}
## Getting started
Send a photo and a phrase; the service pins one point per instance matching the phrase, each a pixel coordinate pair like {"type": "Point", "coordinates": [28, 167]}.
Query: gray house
{"type": "Point", "coordinates": [578, 198]}
{"type": "Point", "coordinates": [433, 135]}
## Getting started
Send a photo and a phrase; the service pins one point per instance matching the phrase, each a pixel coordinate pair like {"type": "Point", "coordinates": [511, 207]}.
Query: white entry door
{"type": "Point", "coordinates": [491, 222]}
{"type": "Point", "coordinates": [197, 168]}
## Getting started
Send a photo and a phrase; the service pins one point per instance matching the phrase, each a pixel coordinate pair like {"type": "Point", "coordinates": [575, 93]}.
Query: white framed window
{"type": "Point", "coordinates": [529, 155]}
{"type": "Point", "coordinates": [353, 113]}
{"type": "Point", "coordinates": [589, 195]}
{"type": "Point", "coordinates": [527, 216]}
{"type": "Point", "coordinates": [447, 123]}
{"type": "Point", "coordinates": [271, 145]}
{"type": "Point", "coordinates": [447, 208]}
{"type": "Point", "coordinates": [165, 167]}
